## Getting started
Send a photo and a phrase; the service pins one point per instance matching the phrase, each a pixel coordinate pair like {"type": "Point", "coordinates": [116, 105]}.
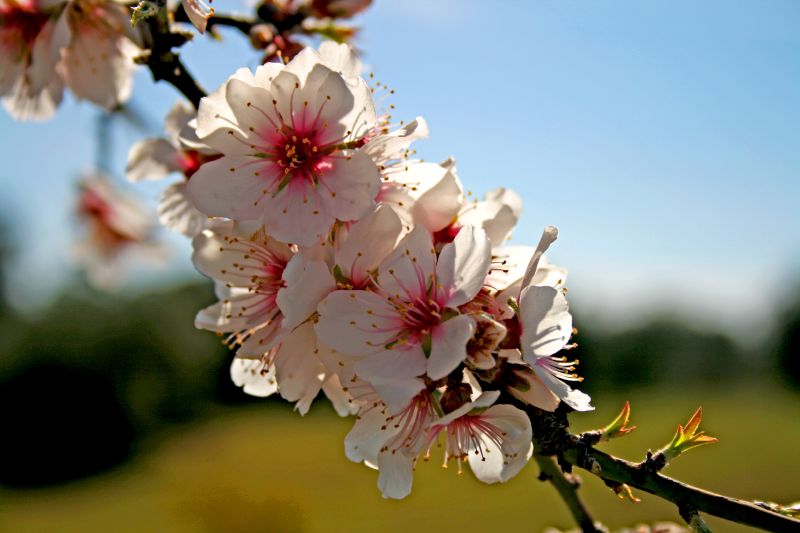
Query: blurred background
{"type": "Point", "coordinates": [660, 137]}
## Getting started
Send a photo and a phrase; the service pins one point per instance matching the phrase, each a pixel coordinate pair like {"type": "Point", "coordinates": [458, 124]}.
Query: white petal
{"type": "Point", "coordinates": [198, 13]}
{"type": "Point", "coordinates": [253, 377]}
{"type": "Point", "coordinates": [368, 242]}
{"type": "Point", "coordinates": [298, 369]}
{"type": "Point", "coordinates": [396, 474]}
{"type": "Point", "coordinates": [392, 366]}
{"type": "Point", "coordinates": [340, 400]}
{"type": "Point", "coordinates": [549, 235]}
{"type": "Point", "coordinates": [341, 58]}
{"type": "Point", "coordinates": [574, 398]}
{"type": "Point", "coordinates": [538, 393]}
{"type": "Point", "coordinates": [449, 345]}
{"type": "Point", "coordinates": [346, 322]}
{"type": "Point", "coordinates": [463, 265]}
{"type": "Point", "coordinates": [177, 212]}
{"type": "Point", "coordinates": [229, 187]}
{"type": "Point", "coordinates": [152, 159]}
{"type": "Point", "coordinates": [365, 439]}
{"type": "Point", "coordinates": [393, 144]}
{"type": "Point", "coordinates": [503, 463]}
{"type": "Point", "coordinates": [398, 393]}
{"type": "Point", "coordinates": [408, 269]}
{"type": "Point", "coordinates": [307, 283]}
{"type": "Point", "coordinates": [98, 63]}
{"type": "Point", "coordinates": [262, 340]}
{"type": "Point", "coordinates": [545, 320]}
{"type": "Point", "coordinates": [356, 181]}
{"type": "Point", "coordinates": [440, 205]}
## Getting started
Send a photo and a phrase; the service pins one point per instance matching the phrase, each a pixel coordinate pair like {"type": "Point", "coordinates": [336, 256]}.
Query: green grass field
{"type": "Point", "coordinates": [268, 469]}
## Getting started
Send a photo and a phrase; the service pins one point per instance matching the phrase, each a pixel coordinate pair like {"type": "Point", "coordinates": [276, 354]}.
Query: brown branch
{"type": "Point", "coordinates": [551, 437]}
{"type": "Point", "coordinates": [164, 63]}
{"type": "Point", "coordinates": [567, 486]}
{"type": "Point", "coordinates": [686, 497]}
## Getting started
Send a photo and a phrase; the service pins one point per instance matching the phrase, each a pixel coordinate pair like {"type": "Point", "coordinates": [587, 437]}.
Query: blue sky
{"type": "Point", "coordinates": [661, 137]}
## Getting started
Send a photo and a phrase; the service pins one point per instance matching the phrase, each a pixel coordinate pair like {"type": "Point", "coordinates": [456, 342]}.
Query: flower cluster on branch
{"type": "Point", "coordinates": [343, 265]}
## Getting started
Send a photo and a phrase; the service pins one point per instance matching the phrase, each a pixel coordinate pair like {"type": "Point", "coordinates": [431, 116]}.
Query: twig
{"type": "Point", "coordinates": [567, 487]}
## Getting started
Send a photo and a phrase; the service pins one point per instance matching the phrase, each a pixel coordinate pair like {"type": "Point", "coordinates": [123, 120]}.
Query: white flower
{"type": "Point", "coordinates": [156, 158]}
{"type": "Point", "coordinates": [435, 199]}
{"type": "Point", "coordinates": [495, 439]}
{"type": "Point", "coordinates": [290, 138]}
{"type": "Point", "coordinates": [408, 325]}
{"type": "Point", "coordinates": [97, 64]}
{"type": "Point", "coordinates": [32, 34]}
{"type": "Point", "coordinates": [391, 442]}
{"type": "Point", "coordinates": [546, 326]}
{"type": "Point", "coordinates": [118, 230]}
{"type": "Point", "coordinates": [249, 275]}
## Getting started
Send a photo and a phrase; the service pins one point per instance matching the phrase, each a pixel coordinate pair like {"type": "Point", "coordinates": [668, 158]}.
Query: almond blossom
{"type": "Point", "coordinates": [32, 34]}
{"type": "Point", "coordinates": [118, 229]}
{"type": "Point", "coordinates": [290, 138]}
{"type": "Point", "coordinates": [97, 63]}
{"type": "Point", "coordinates": [249, 275]}
{"type": "Point", "coordinates": [545, 329]}
{"type": "Point", "coordinates": [408, 325]}
{"type": "Point", "coordinates": [494, 439]}
{"type": "Point", "coordinates": [179, 152]}
{"type": "Point", "coordinates": [250, 272]}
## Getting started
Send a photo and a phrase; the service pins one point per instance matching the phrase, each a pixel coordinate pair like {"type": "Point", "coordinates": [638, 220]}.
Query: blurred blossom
{"type": "Point", "coordinates": [117, 230]}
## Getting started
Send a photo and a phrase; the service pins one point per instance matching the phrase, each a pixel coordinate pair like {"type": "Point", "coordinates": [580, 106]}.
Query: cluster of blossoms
{"type": "Point", "coordinates": [343, 265]}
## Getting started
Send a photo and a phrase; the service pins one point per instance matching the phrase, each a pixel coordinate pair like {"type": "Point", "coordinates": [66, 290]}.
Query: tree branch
{"type": "Point", "coordinates": [551, 437]}
{"type": "Point", "coordinates": [686, 497]}
{"type": "Point", "coordinates": [567, 487]}
{"type": "Point", "coordinates": [164, 64]}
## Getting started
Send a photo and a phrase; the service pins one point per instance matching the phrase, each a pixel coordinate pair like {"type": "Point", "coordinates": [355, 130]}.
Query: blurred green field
{"type": "Point", "coordinates": [265, 468]}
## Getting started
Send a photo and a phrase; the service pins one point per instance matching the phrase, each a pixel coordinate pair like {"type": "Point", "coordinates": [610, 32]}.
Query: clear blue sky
{"type": "Point", "coordinates": [661, 137]}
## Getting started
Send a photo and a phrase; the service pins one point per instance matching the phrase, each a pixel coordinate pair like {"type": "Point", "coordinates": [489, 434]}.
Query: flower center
{"type": "Point", "coordinates": [298, 154]}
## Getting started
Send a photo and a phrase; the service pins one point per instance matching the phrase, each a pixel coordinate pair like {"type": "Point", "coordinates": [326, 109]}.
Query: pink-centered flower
{"type": "Point", "coordinates": [290, 138]}
{"type": "Point", "coordinates": [97, 64]}
{"type": "Point", "coordinates": [180, 152]}
{"type": "Point", "coordinates": [391, 442]}
{"type": "Point", "coordinates": [32, 34]}
{"type": "Point", "coordinates": [494, 439]}
{"type": "Point", "coordinates": [249, 275]}
{"type": "Point", "coordinates": [118, 230]}
{"type": "Point", "coordinates": [408, 325]}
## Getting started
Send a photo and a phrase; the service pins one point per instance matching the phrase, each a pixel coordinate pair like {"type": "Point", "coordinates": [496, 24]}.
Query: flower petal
{"type": "Point", "coordinates": [463, 265]}
{"type": "Point", "coordinates": [545, 320]}
{"type": "Point", "coordinates": [346, 322]}
{"type": "Point", "coordinates": [449, 345]}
